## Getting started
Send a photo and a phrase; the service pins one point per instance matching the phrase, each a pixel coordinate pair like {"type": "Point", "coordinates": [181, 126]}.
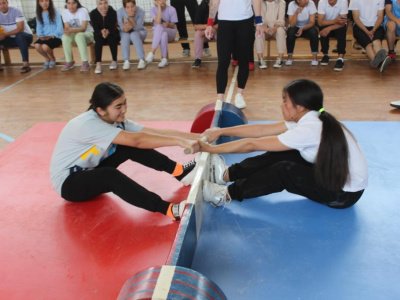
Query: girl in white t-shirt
{"type": "Point", "coordinates": [309, 153]}
{"type": "Point", "coordinates": [302, 24]}
{"type": "Point", "coordinates": [92, 146]}
{"type": "Point", "coordinates": [77, 30]}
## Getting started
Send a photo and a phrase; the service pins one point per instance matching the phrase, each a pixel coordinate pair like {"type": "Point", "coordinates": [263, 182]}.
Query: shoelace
{"type": "Point", "coordinates": [189, 164]}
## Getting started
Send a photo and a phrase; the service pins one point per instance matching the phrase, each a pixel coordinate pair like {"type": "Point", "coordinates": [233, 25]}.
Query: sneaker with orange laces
{"type": "Point", "coordinates": [175, 210]}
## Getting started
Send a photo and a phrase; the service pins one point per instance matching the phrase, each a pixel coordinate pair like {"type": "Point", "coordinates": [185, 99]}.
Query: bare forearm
{"type": "Point", "coordinates": [214, 4]}
{"type": "Point", "coordinates": [254, 131]}
{"type": "Point", "coordinates": [171, 132]}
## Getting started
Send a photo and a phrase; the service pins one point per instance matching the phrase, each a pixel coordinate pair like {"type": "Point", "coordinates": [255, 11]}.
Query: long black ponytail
{"type": "Point", "coordinates": [331, 165]}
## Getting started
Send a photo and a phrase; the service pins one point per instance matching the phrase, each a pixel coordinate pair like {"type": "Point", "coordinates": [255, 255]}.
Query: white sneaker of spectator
{"type": "Point", "coordinates": [126, 66]}
{"type": "Point", "coordinates": [149, 57]}
{"type": "Point", "coordinates": [262, 64]}
{"type": "Point", "coordinates": [98, 69]}
{"type": "Point", "coordinates": [206, 52]}
{"type": "Point", "coordinates": [141, 64]}
{"type": "Point", "coordinates": [163, 63]}
{"type": "Point", "coordinates": [314, 62]}
{"type": "Point", "coordinates": [113, 65]}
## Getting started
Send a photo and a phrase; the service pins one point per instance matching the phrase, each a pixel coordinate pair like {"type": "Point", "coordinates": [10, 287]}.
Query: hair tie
{"type": "Point", "coordinates": [321, 110]}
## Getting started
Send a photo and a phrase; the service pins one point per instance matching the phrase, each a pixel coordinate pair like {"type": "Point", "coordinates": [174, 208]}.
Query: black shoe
{"type": "Point", "coordinates": [385, 63]}
{"type": "Point", "coordinates": [339, 65]}
{"type": "Point", "coordinates": [325, 60]}
{"type": "Point", "coordinates": [187, 168]}
{"type": "Point", "coordinates": [379, 58]}
{"type": "Point", "coordinates": [197, 63]}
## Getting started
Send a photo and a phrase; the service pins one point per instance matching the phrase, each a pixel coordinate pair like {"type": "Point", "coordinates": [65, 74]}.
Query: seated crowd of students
{"type": "Point", "coordinates": [373, 21]}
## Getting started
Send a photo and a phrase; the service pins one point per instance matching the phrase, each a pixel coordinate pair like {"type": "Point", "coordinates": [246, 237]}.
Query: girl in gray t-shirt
{"type": "Point", "coordinates": [92, 145]}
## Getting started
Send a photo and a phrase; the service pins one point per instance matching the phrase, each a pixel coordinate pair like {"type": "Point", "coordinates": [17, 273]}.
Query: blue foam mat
{"type": "Point", "coordinates": [283, 246]}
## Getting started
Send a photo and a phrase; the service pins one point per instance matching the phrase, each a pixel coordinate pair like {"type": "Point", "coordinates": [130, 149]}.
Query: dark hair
{"type": "Point", "coordinates": [39, 11]}
{"type": "Point", "coordinates": [331, 166]}
{"type": "Point", "coordinates": [76, 1]}
{"type": "Point", "coordinates": [125, 2]}
{"type": "Point", "coordinates": [104, 94]}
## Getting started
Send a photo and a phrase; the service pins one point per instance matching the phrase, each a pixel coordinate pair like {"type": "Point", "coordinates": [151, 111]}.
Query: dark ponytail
{"type": "Point", "coordinates": [331, 165]}
{"type": "Point", "coordinates": [104, 94]}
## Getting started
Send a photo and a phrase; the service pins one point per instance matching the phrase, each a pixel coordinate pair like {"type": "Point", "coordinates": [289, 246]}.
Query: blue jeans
{"type": "Point", "coordinates": [22, 40]}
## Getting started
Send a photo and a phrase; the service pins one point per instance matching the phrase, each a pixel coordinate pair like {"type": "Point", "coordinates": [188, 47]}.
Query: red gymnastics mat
{"type": "Point", "coordinates": [53, 249]}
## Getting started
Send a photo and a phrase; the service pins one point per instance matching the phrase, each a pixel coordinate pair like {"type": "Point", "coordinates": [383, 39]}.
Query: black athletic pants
{"type": "Point", "coordinates": [111, 40]}
{"type": "Point", "coordinates": [340, 35]}
{"type": "Point", "coordinates": [234, 37]}
{"type": "Point", "coordinates": [311, 34]}
{"type": "Point", "coordinates": [191, 6]}
{"type": "Point", "coordinates": [87, 184]}
{"type": "Point", "coordinates": [274, 172]}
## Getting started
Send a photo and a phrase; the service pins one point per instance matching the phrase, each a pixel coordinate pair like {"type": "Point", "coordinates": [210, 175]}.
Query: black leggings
{"type": "Point", "coordinates": [112, 41]}
{"type": "Point", "coordinates": [234, 37]}
{"type": "Point", "coordinates": [274, 172]}
{"type": "Point", "coordinates": [311, 34]}
{"type": "Point", "coordinates": [340, 35]}
{"type": "Point", "coordinates": [85, 185]}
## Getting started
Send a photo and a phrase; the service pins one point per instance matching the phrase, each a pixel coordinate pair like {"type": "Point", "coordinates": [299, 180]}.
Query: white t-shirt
{"type": "Point", "coordinates": [304, 17]}
{"type": "Point", "coordinates": [368, 10]}
{"type": "Point", "coordinates": [75, 20]}
{"type": "Point", "coordinates": [83, 143]}
{"type": "Point", "coordinates": [332, 12]}
{"type": "Point", "coordinates": [305, 136]}
{"type": "Point", "coordinates": [9, 20]}
{"type": "Point", "coordinates": [235, 10]}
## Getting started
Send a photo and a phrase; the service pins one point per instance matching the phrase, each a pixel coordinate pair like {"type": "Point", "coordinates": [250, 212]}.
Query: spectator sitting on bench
{"type": "Point", "coordinates": [368, 30]}
{"type": "Point", "coordinates": [273, 13]}
{"type": "Point", "coordinates": [76, 30]}
{"type": "Point", "coordinates": [104, 22]}
{"type": "Point", "coordinates": [200, 25]}
{"type": "Point", "coordinates": [132, 30]}
{"type": "Point", "coordinates": [332, 21]}
{"type": "Point", "coordinates": [164, 30]}
{"type": "Point", "coordinates": [392, 26]}
{"type": "Point", "coordinates": [15, 32]}
{"type": "Point", "coordinates": [49, 30]}
{"type": "Point", "coordinates": [302, 24]}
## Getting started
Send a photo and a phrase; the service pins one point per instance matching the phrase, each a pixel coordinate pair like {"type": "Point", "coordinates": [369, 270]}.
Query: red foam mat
{"type": "Point", "coordinates": [52, 249]}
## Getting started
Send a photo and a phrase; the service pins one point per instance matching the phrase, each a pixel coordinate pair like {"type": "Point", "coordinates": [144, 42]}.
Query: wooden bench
{"type": "Point", "coordinates": [5, 52]}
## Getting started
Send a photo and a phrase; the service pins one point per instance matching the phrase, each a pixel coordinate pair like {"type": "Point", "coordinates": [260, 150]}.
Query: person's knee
{"type": "Point", "coordinates": [390, 27]}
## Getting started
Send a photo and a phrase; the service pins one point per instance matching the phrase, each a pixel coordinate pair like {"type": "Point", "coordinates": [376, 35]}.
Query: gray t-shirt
{"type": "Point", "coordinates": [83, 143]}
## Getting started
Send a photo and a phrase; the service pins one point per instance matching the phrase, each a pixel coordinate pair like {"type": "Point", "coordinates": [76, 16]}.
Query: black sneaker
{"type": "Point", "coordinates": [325, 60]}
{"type": "Point", "coordinates": [339, 65]}
{"type": "Point", "coordinates": [196, 63]}
{"type": "Point", "coordinates": [187, 177]}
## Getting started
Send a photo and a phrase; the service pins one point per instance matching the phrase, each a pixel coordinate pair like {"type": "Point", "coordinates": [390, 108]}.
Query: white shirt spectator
{"type": "Point", "coordinates": [368, 10]}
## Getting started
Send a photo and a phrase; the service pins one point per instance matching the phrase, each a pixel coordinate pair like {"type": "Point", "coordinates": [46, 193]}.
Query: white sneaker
{"type": "Point", "coordinates": [178, 209]}
{"type": "Point", "coordinates": [186, 52]}
{"type": "Point", "coordinates": [314, 62]}
{"type": "Point", "coordinates": [149, 57]}
{"type": "Point", "coordinates": [215, 194]}
{"type": "Point", "coordinates": [217, 169]}
{"type": "Point", "coordinates": [239, 101]}
{"type": "Point", "coordinates": [206, 52]}
{"type": "Point", "coordinates": [141, 65]}
{"type": "Point", "coordinates": [163, 63]}
{"type": "Point", "coordinates": [262, 64]}
{"type": "Point", "coordinates": [289, 62]}
{"type": "Point", "coordinates": [126, 66]}
{"type": "Point", "coordinates": [113, 65]}
{"type": "Point", "coordinates": [98, 69]}
{"type": "Point", "coordinates": [190, 168]}
{"type": "Point", "coordinates": [277, 64]}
